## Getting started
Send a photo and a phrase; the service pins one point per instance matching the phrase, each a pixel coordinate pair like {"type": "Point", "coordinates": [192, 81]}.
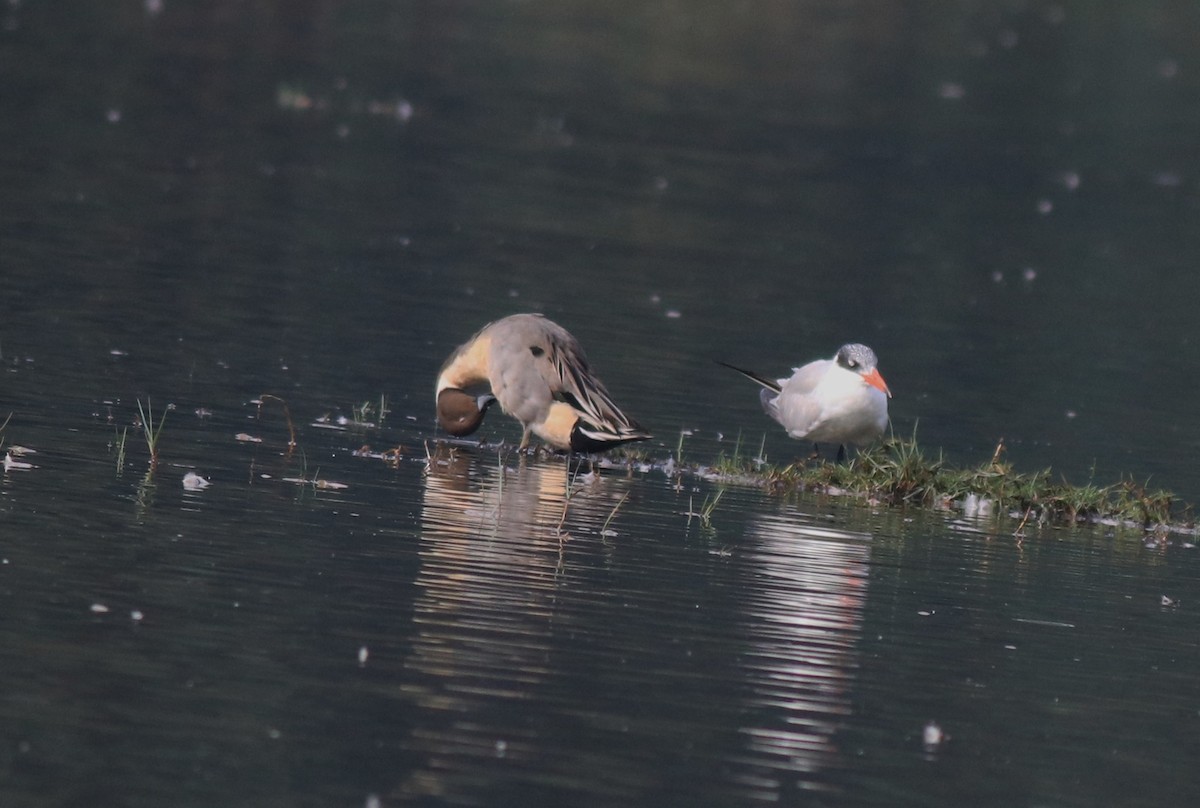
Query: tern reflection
{"type": "Point", "coordinates": [803, 620]}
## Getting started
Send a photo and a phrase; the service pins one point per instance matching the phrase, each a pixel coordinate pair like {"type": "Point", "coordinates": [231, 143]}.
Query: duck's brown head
{"type": "Point", "coordinates": [461, 413]}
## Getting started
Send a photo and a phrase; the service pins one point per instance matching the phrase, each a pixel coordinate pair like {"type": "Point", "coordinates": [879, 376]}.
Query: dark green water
{"type": "Point", "coordinates": [204, 202]}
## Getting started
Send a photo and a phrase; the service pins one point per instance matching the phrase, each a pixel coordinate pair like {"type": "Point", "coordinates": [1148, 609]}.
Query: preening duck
{"type": "Point", "coordinates": [537, 372]}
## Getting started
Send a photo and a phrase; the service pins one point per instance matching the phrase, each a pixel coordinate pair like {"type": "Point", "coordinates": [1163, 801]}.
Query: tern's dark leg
{"type": "Point", "coordinates": [841, 455]}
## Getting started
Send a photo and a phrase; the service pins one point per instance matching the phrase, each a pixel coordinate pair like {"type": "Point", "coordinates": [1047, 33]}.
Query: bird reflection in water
{"type": "Point", "coordinates": [803, 621]}
{"type": "Point", "coordinates": [497, 539]}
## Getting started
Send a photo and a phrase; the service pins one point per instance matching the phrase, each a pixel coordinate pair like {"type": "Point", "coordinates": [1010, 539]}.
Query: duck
{"type": "Point", "coordinates": [843, 400]}
{"type": "Point", "coordinates": [538, 373]}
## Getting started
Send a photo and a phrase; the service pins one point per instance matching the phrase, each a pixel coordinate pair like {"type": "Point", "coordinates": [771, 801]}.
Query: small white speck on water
{"type": "Point", "coordinates": [1070, 180]}
{"type": "Point", "coordinates": [363, 653]}
{"type": "Point", "coordinates": [136, 616]}
{"type": "Point", "coordinates": [932, 735]}
{"type": "Point", "coordinates": [1054, 14]}
{"type": "Point", "coordinates": [951, 91]}
{"type": "Point", "coordinates": [99, 608]}
{"type": "Point", "coordinates": [674, 314]}
{"type": "Point", "coordinates": [501, 748]}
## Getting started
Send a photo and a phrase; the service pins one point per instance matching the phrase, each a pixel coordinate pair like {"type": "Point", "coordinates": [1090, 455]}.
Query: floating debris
{"type": "Point", "coordinates": [12, 464]}
{"type": "Point", "coordinates": [247, 438]}
{"type": "Point", "coordinates": [1050, 623]}
{"type": "Point", "coordinates": [99, 608]}
{"type": "Point", "coordinates": [194, 482]}
{"type": "Point", "coordinates": [316, 483]}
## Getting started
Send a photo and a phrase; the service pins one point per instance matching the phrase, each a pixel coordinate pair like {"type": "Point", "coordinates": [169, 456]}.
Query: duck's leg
{"type": "Point", "coordinates": [524, 440]}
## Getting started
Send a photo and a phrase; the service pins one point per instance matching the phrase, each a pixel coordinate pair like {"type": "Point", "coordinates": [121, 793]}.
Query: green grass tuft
{"type": "Point", "coordinates": [151, 432]}
{"type": "Point", "coordinates": [898, 472]}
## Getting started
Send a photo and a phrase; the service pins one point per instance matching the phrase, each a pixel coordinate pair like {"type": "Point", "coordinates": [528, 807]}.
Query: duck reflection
{"type": "Point", "coordinates": [803, 620]}
{"type": "Point", "coordinates": [497, 536]}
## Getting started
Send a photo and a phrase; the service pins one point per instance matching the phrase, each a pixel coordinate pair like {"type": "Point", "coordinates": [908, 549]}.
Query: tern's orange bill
{"type": "Point", "coordinates": [875, 380]}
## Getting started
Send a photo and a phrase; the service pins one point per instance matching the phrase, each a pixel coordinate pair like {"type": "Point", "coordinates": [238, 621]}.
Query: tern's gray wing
{"type": "Point", "coordinates": [805, 379]}
{"type": "Point", "coordinates": [796, 407]}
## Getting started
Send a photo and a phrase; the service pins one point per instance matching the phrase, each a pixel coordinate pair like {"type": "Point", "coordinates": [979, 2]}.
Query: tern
{"type": "Point", "coordinates": [537, 372]}
{"type": "Point", "coordinates": [842, 400]}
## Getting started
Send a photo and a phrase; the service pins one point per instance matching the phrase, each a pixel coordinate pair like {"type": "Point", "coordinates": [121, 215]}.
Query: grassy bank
{"type": "Point", "coordinates": [898, 472]}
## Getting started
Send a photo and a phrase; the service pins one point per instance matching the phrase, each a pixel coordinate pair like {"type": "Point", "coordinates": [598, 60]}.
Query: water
{"type": "Point", "coordinates": [206, 203]}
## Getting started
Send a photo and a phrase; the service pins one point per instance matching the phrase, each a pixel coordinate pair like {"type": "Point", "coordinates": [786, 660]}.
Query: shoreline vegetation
{"type": "Point", "coordinates": [898, 472]}
{"type": "Point", "coordinates": [895, 472]}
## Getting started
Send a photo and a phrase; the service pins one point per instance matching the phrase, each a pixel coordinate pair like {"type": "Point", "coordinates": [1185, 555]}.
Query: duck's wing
{"type": "Point", "coordinates": [571, 380]}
